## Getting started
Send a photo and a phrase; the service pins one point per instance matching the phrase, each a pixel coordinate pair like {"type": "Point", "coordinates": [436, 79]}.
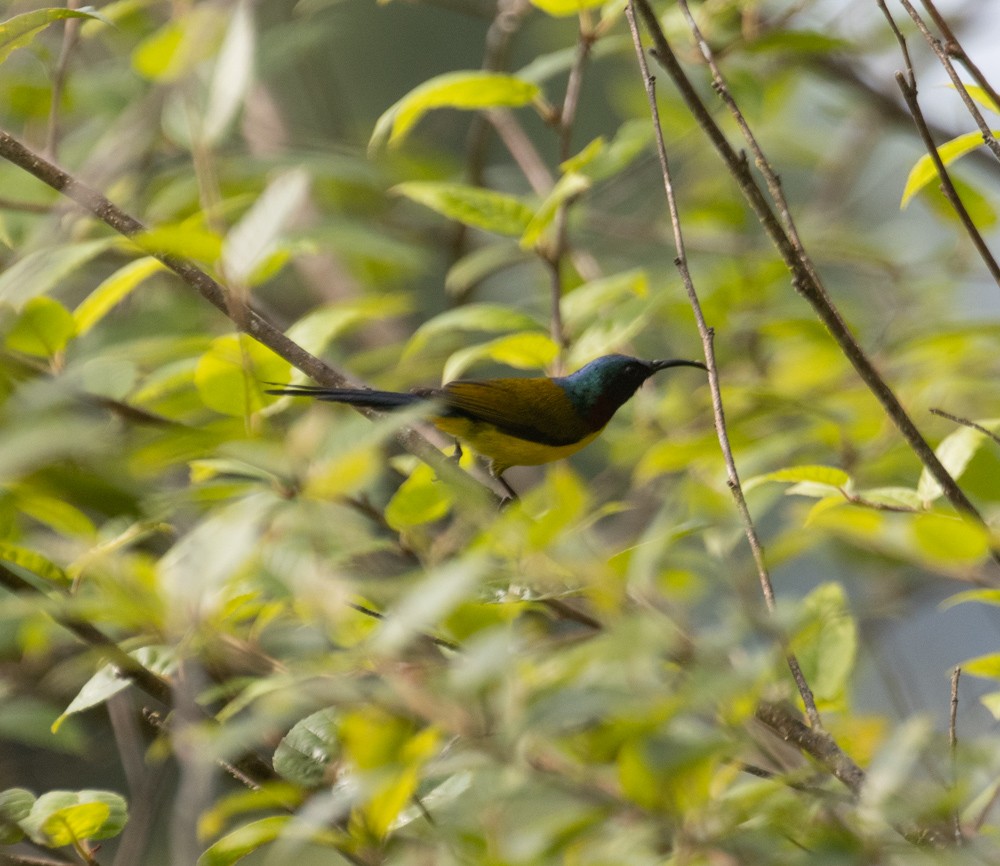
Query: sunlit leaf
{"type": "Point", "coordinates": [924, 171]}
{"type": "Point", "coordinates": [420, 499]}
{"type": "Point", "coordinates": [526, 351]}
{"type": "Point", "coordinates": [232, 375]}
{"type": "Point", "coordinates": [987, 666]}
{"type": "Point", "coordinates": [252, 239]}
{"type": "Point", "coordinates": [41, 271]}
{"type": "Point", "coordinates": [109, 681]}
{"type": "Point", "coordinates": [320, 326]}
{"type": "Point", "coordinates": [827, 476]}
{"type": "Point", "coordinates": [473, 206]}
{"type": "Point", "coordinates": [949, 540]}
{"type": "Point", "coordinates": [32, 561]}
{"type": "Point", "coordinates": [954, 451]}
{"type": "Point", "coordinates": [981, 95]}
{"type": "Point", "coordinates": [180, 45]}
{"type": "Point", "coordinates": [60, 818]}
{"type": "Point", "coordinates": [233, 72]}
{"type": "Point", "coordinates": [43, 329]}
{"type": "Point", "coordinates": [569, 187]}
{"type": "Point", "coordinates": [827, 646]}
{"type": "Point", "coordinates": [982, 596]}
{"type": "Point", "coordinates": [19, 31]}
{"type": "Point", "coordinates": [492, 318]}
{"type": "Point", "coordinates": [463, 90]}
{"type": "Point", "coordinates": [112, 291]}
{"type": "Point", "coordinates": [565, 8]}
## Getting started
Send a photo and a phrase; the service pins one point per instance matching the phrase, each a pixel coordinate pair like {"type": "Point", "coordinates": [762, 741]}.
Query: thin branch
{"type": "Point", "coordinates": [955, 49]}
{"type": "Point", "coordinates": [965, 422]}
{"type": "Point", "coordinates": [804, 278]}
{"type": "Point", "coordinates": [152, 684]}
{"type": "Point", "coordinates": [908, 87]}
{"type": "Point", "coordinates": [949, 68]}
{"type": "Point", "coordinates": [707, 341]}
{"type": "Point", "coordinates": [953, 745]}
{"type": "Point", "coordinates": [71, 32]}
{"type": "Point", "coordinates": [246, 318]}
{"type": "Point", "coordinates": [818, 744]}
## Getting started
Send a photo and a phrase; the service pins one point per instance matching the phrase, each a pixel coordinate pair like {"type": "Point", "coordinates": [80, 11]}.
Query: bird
{"type": "Point", "coordinates": [516, 421]}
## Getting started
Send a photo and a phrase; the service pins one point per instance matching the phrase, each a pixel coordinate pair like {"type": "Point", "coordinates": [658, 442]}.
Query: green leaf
{"type": "Point", "coordinates": [828, 476]}
{"type": "Point", "coordinates": [19, 31]}
{"type": "Point", "coordinates": [308, 748]}
{"type": "Point", "coordinates": [588, 301]}
{"type": "Point", "coordinates": [924, 171]}
{"type": "Point", "coordinates": [982, 596]}
{"type": "Point", "coordinates": [951, 541]}
{"type": "Point", "coordinates": [420, 499]}
{"type": "Point", "coordinates": [827, 646]}
{"type": "Point", "coordinates": [43, 329]}
{"type": "Point", "coordinates": [798, 42]}
{"type": "Point", "coordinates": [68, 817]}
{"type": "Point", "coordinates": [248, 838]}
{"type": "Point", "coordinates": [474, 206]}
{"type": "Point", "coordinates": [180, 45]}
{"type": "Point", "coordinates": [231, 375]}
{"type": "Point", "coordinates": [34, 562]}
{"type": "Point", "coordinates": [481, 263]}
{"type": "Point", "coordinates": [232, 75]}
{"type": "Point", "coordinates": [568, 188]}
{"type": "Point", "coordinates": [463, 90]}
{"type": "Point", "coordinates": [112, 291]}
{"type": "Point", "coordinates": [41, 271]}
{"type": "Point", "coordinates": [108, 681]}
{"type": "Point", "coordinates": [15, 806]}
{"type": "Point", "coordinates": [980, 95]}
{"type": "Point", "coordinates": [565, 8]}
{"type": "Point", "coordinates": [987, 666]}
{"type": "Point", "coordinates": [492, 318]}
{"type": "Point", "coordinates": [526, 351]}
{"type": "Point", "coordinates": [252, 240]}
{"type": "Point", "coordinates": [954, 451]}
{"type": "Point", "coordinates": [632, 139]}
{"type": "Point", "coordinates": [900, 497]}
{"type": "Point", "coordinates": [189, 240]}
{"type": "Point", "coordinates": [319, 327]}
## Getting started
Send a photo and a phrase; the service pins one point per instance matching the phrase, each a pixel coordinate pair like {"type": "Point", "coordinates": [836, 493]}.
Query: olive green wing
{"type": "Point", "coordinates": [534, 409]}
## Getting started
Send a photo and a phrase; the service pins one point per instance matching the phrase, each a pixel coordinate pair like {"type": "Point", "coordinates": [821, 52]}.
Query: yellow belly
{"type": "Point", "coordinates": [505, 451]}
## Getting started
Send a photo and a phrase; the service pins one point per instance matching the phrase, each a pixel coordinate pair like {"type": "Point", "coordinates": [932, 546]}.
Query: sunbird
{"type": "Point", "coordinates": [517, 421]}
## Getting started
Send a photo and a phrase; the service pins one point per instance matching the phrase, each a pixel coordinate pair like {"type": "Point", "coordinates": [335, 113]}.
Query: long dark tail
{"type": "Point", "coordinates": [355, 396]}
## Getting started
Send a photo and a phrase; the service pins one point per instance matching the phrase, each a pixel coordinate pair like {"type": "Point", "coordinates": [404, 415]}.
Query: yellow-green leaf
{"type": "Point", "coordinates": [471, 205]}
{"type": "Point", "coordinates": [565, 8]}
{"type": "Point", "coordinates": [924, 171]}
{"type": "Point", "coordinates": [462, 90]}
{"type": "Point", "coordinates": [828, 476]}
{"type": "Point", "coordinates": [43, 329]}
{"type": "Point", "coordinates": [954, 451]}
{"type": "Point", "coordinates": [531, 350]}
{"type": "Point", "coordinates": [987, 666]}
{"type": "Point", "coordinates": [112, 291]}
{"type": "Point", "coordinates": [60, 818]}
{"type": "Point", "coordinates": [569, 187]}
{"type": "Point", "coordinates": [947, 540]}
{"type": "Point", "coordinates": [231, 375]}
{"type": "Point", "coordinates": [492, 318]}
{"type": "Point", "coordinates": [31, 561]}
{"type": "Point", "coordinates": [20, 30]}
{"type": "Point", "coordinates": [422, 498]}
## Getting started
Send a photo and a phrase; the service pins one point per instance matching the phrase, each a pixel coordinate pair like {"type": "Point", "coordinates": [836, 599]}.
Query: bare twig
{"type": "Point", "coordinates": [955, 49]}
{"type": "Point", "coordinates": [953, 745]}
{"type": "Point", "coordinates": [908, 87]}
{"type": "Point", "coordinates": [949, 68]}
{"type": "Point", "coordinates": [965, 422]}
{"type": "Point", "coordinates": [804, 277]}
{"type": "Point", "coordinates": [817, 744]}
{"type": "Point", "coordinates": [707, 340]}
{"type": "Point", "coordinates": [71, 32]}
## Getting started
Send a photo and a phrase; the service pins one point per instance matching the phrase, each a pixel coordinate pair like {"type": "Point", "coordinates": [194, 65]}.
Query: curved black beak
{"type": "Point", "coordinates": [662, 365]}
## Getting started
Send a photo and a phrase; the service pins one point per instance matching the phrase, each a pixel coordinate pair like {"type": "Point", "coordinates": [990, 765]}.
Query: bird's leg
{"type": "Point", "coordinates": [511, 492]}
{"type": "Point", "coordinates": [457, 455]}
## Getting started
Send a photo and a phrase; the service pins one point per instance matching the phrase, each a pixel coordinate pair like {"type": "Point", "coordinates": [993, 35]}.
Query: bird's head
{"type": "Point", "coordinates": [602, 386]}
